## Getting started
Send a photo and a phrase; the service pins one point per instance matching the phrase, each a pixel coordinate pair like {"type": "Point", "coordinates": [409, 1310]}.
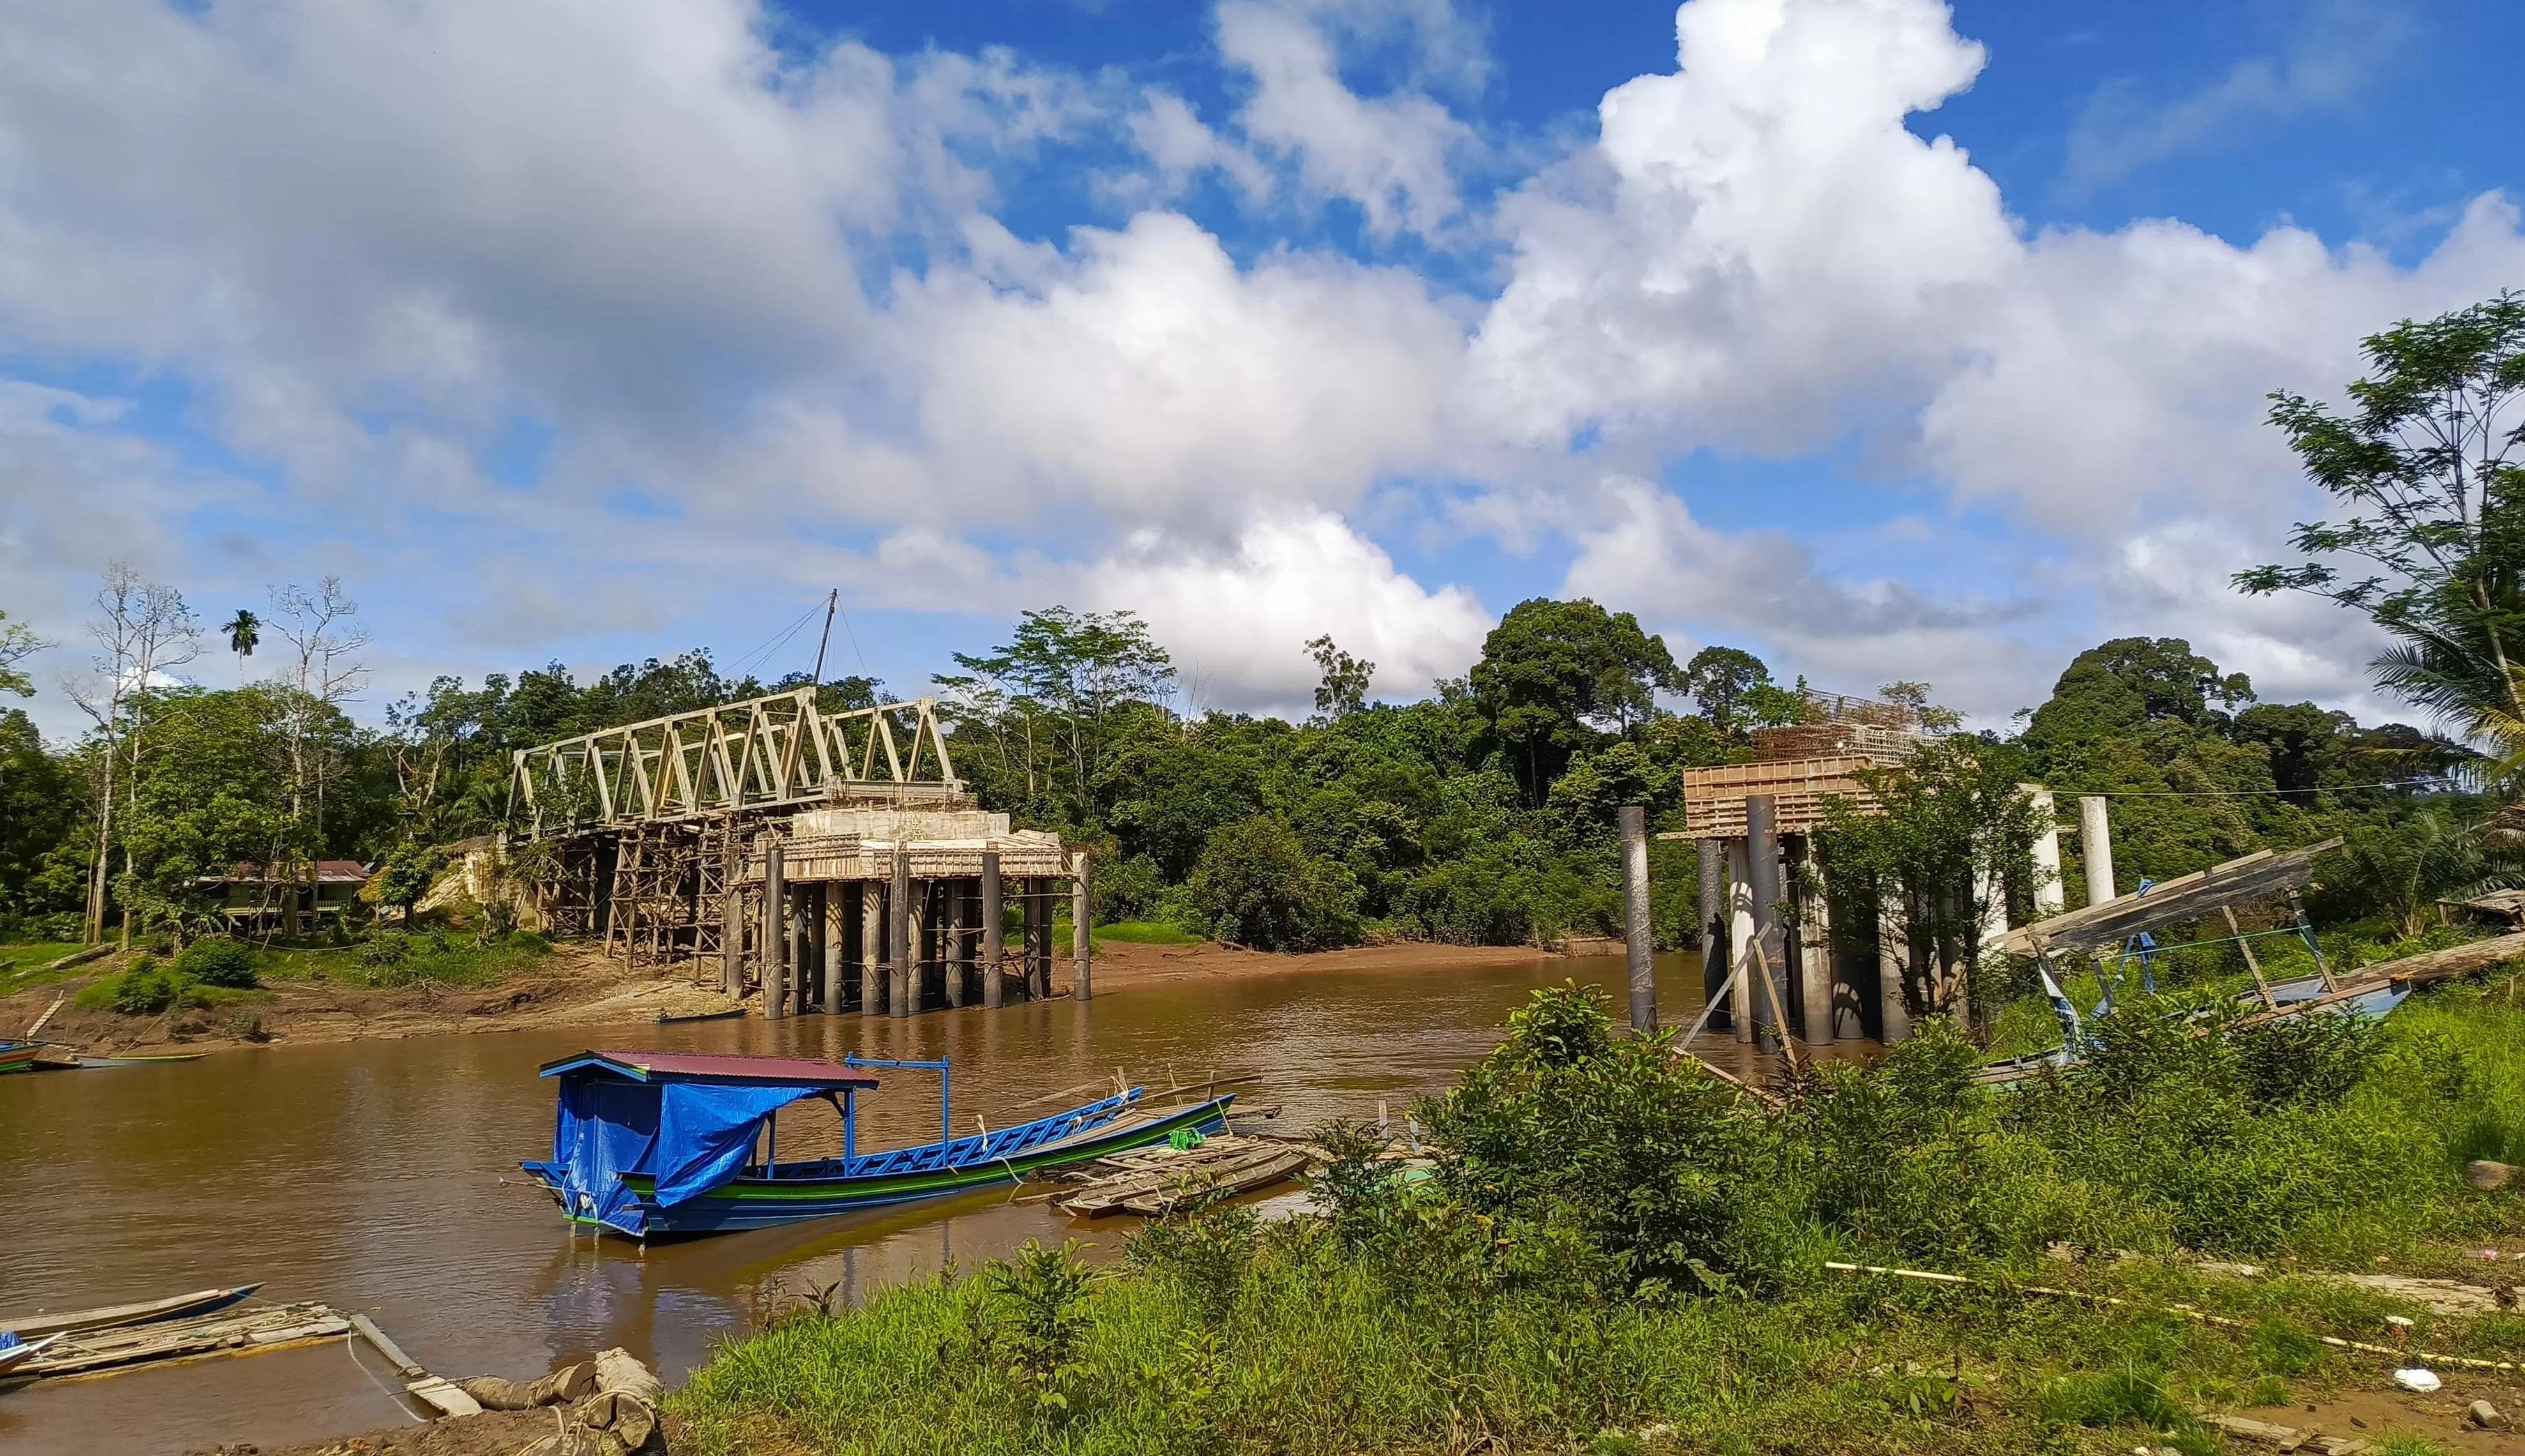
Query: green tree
{"type": "Point", "coordinates": [2401, 871]}
{"type": "Point", "coordinates": [2430, 468]}
{"type": "Point", "coordinates": [244, 633]}
{"type": "Point", "coordinates": [407, 875]}
{"type": "Point", "coordinates": [211, 792]}
{"type": "Point", "coordinates": [39, 805]}
{"type": "Point", "coordinates": [1343, 688]}
{"type": "Point", "coordinates": [1947, 833]}
{"type": "Point", "coordinates": [1077, 673]}
{"type": "Point", "coordinates": [1557, 677]}
{"type": "Point", "coordinates": [1257, 885]}
{"type": "Point", "coordinates": [1719, 681]}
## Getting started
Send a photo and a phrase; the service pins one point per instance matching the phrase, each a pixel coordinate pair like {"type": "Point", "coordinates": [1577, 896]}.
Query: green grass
{"type": "Point", "coordinates": [1313, 1350]}
{"type": "Point", "coordinates": [1147, 932]}
{"type": "Point", "coordinates": [23, 964]}
{"type": "Point", "coordinates": [1473, 1311]}
{"type": "Point", "coordinates": [392, 959]}
{"type": "Point", "coordinates": [385, 962]}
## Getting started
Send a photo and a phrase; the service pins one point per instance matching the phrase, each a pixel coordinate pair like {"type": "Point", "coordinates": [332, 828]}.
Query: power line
{"type": "Point", "coordinates": [2225, 793]}
{"type": "Point", "coordinates": [763, 652]}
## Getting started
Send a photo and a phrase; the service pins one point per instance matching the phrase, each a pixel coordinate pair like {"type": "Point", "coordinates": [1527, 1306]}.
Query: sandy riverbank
{"type": "Point", "coordinates": [579, 987]}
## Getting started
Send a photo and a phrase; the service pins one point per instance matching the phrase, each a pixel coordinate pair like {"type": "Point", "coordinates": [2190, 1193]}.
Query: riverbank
{"type": "Point", "coordinates": [1617, 1255]}
{"type": "Point", "coordinates": [575, 985]}
{"type": "Point", "coordinates": [571, 984]}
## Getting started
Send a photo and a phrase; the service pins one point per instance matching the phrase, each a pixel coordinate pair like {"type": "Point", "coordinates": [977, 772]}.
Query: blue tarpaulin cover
{"type": "Point", "coordinates": [690, 1138]}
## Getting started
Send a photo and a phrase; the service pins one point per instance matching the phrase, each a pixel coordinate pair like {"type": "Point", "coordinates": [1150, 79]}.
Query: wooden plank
{"type": "Point", "coordinates": [2093, 927]}
{"type": "Point", "coordinates": [443, 1396]}
{"type": "Point", "coordinates": [404, 1365]}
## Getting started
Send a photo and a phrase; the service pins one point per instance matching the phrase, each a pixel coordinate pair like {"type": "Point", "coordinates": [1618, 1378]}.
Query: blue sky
{"type": "Point", "coordinates": [1884, 340]}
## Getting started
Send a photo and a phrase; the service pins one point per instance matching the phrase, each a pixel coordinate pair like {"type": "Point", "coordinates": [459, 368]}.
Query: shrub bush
{"type": "Point", "coordinates": [218, 961]}
{"type": "Point", "coordinates": [1257, 885]}
{"type": "Point", "coordinates": [147, 988]}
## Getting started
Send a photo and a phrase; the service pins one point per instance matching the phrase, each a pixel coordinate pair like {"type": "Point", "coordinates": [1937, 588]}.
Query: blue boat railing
{"type": "Point", "coordinates": [961, 1152]}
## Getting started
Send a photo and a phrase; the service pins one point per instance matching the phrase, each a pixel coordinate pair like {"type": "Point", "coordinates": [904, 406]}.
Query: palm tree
{"type": "Point", "coordinates": [245, 634]}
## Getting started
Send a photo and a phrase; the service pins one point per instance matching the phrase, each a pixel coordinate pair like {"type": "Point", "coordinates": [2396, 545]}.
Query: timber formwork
{"type": "Point", "coordinates": [665, 833]}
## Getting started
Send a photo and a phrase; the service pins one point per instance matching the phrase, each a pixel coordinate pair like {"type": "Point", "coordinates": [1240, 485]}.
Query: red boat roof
{"type": "Point", "coordinates": [661, 1066]}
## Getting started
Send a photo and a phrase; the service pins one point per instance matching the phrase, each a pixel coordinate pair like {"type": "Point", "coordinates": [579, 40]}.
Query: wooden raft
{"type": "Point", "coordinates": [1151, 1182]}
{"type": "Point", "coordinates": [270, 1328]}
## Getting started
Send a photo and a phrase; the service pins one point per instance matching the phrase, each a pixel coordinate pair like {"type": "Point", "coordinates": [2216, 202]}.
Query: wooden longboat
{"type": "Point", "coordinates": [17, 1056]}
{"type": "Point", "coordinates": [661, 1144]}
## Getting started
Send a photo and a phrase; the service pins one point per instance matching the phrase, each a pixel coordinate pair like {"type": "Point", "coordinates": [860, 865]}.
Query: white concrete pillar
{"type": "Point", "coordinates": [2096, 846]}
{"type": "Point", "coordinates": [1637, 939]}
{"type": "Point", "coordinates": [1740, 937]}
{"type": "Point", "coordinates": [1713, 857]}
{"type": "Point", "coordinates": [1814, 953]}
{"type": "Point", "coordinates": [1893, 960]}
{"type": "Point", "coordinates": [2050, 896]}
{"type": "Point", "coordinates": [1762, 866]}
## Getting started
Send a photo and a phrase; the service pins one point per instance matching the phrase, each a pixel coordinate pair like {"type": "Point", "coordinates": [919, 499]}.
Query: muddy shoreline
{"type": "Point", "coordinates": [582, 986]}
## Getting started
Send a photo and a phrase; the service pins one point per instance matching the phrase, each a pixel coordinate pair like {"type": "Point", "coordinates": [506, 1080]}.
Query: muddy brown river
{"type": "Point", "coordinates": [382, 1177]}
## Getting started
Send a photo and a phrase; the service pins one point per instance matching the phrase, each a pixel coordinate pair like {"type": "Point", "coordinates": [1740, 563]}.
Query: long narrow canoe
{"type": "Point", "coordinates": [115, 1315]}
{"type": "Point", "coordinates": [17, 1056]}
{"type": "Point", "coordinates": [145, 1059]}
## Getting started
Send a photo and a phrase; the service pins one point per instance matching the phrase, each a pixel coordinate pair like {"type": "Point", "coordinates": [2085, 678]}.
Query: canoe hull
{"type": "Point", "coordinates": [768, 1203]}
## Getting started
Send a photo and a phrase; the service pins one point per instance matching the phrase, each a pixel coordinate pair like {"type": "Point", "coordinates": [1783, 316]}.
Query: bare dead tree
{"type": "Point", "coordinates": [324, 673]}
{"type": "Point", "coordinates": [141, 630]}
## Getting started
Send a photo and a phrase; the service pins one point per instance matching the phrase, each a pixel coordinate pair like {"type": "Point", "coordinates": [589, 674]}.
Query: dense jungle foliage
{"type": "Point", "coordinates": [1481, 814]}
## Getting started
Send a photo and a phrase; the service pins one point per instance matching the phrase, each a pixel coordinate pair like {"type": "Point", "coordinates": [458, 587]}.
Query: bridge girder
{"type": "Point", "coordinates": [773, 752]}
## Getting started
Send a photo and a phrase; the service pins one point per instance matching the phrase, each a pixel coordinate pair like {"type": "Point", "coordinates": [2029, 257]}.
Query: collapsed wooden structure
{"type": "Point", "coordinates": [1765, 970]}
{"type": "Point", "coordinates": [829, 859]}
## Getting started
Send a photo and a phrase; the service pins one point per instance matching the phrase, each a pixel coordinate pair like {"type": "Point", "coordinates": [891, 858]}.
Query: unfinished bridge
{"type": "Point", "coordinates": [829, 859]}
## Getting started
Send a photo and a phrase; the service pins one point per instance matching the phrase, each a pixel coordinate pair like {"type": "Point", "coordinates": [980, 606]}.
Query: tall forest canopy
{"type": "Point", "coordinates": [1480, 813]}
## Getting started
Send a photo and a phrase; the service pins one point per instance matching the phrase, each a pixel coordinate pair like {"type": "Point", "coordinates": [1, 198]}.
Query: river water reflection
{"type": "Point", "coordinates": [381, 1176]}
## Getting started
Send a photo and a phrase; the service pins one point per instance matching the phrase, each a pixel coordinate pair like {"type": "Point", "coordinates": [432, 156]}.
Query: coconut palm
{"type": "Point", "coordinates": [245, 634]}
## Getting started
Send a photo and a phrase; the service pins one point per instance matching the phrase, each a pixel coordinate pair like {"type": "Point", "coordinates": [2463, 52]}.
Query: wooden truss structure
{"type": "Point", "coordinates": [670, 882]}
{"type": "Point", "coordinates": [767, 753]}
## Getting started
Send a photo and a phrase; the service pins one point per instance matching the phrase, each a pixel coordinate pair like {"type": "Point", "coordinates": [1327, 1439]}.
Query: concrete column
{"type": "Point", "coordinates": [2096, 846]}
{"type": "Point", "coordinates": [900, 954]}
{"type": "Point", "coordinates": [1038, 936]}
{"type": "Point", "coordinates": [952, 942]}
{"type": "Point", "coordinates": [1763, 868]}
{"type": "Point", "coordinates": [806, 937]}
{"type": "Point", "coordinates": [2050, 896]}
{"type": "Point", "coordinates": [913, 988]}
{"type": "Point", "coordinates": [837, 943]}
{"type": "Point", "coordinates": [1713, 926]}
{"type": "Point", "coordinates": [1740, 937]}
{"type": "Point", "coordinates": [776, 935]}
{"type": "Point", "coordinates": [1081, 947]}
{"type": "Point", "coordinates": [994, 932]}
{"type": "Point", "coordinates": [731, 927]}
{"type": "Point", "coordinates": [1893, 960]}
{"type": "Point", "coordinates": [1814, 953]}
{"type": "Point", "coordinates": [871, 948]}
{"type": "Point", "coordinates": [1637, 935]}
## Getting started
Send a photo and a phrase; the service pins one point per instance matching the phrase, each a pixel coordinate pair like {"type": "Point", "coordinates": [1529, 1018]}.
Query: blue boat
{"type": "Point", "coordinates": [661, 1143]}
